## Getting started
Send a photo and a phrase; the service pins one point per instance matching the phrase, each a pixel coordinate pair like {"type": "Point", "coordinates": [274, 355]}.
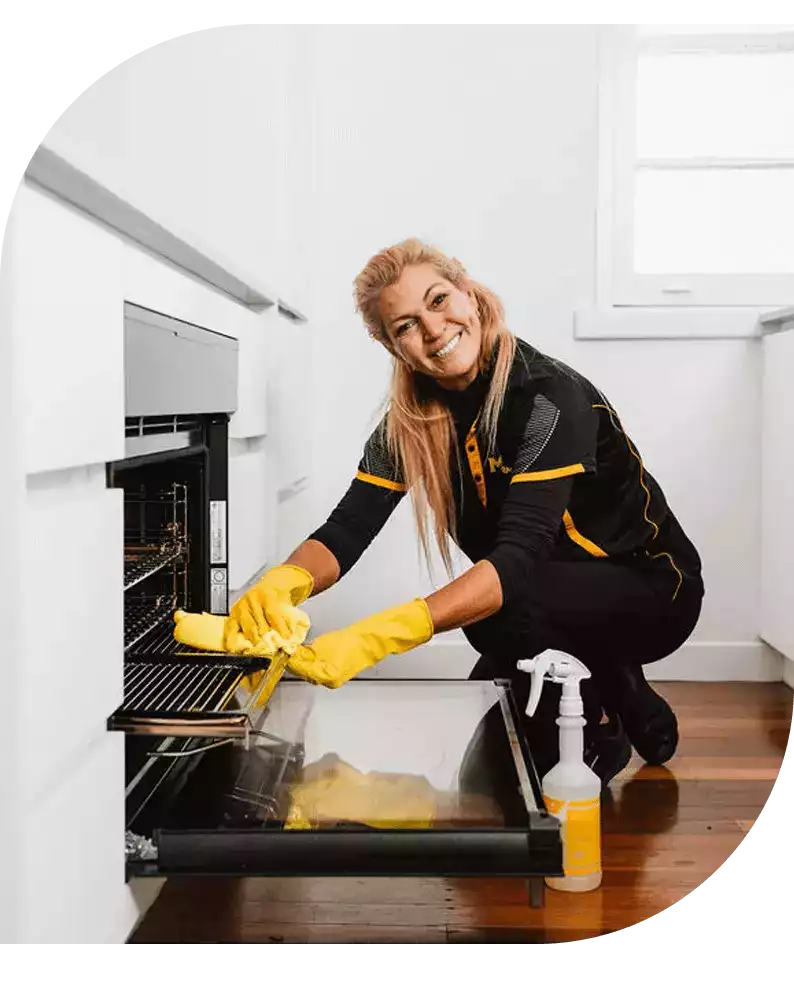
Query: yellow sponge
{"type": "Point", "coordinates": [205, 631]}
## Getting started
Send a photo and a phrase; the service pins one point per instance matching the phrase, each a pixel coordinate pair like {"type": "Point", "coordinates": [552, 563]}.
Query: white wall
{"type": "Point", "coordinates": [487, 146]}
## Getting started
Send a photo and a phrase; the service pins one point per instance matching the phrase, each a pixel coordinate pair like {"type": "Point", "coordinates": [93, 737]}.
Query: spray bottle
{"type": "Point", "coordinates": [571, 790]}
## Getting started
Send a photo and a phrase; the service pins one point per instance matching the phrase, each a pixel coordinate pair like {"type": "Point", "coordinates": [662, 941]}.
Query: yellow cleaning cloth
{"type": "Point", "coordinates": [205, 631]}
{"type": "Point", "coordinates": [330, 790]}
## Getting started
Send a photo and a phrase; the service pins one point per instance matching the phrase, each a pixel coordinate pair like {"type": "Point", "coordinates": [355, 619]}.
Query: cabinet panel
{"type": "Point", "coordinates": [73, 621]}
{"type": "Point", "coordinates": [73, 853]}
{"type": "Point", "coordinates": [68, 322]}
{"type": "Point", "coordinates": [256, 367]}
{"type": "Point", "coordinates": [777, 494]}
{"type": "Point", "coordinates": [290, 404]}
{"type": "Point", "coordinates": [252, 507]}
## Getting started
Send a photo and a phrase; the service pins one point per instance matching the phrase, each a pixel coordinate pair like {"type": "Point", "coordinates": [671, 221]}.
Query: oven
{"type": "Point", "coordinates": [223, 776]}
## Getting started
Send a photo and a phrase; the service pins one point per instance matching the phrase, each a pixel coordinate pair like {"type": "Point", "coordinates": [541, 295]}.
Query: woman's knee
{"type": "Point", "coordinates": [490, 666]}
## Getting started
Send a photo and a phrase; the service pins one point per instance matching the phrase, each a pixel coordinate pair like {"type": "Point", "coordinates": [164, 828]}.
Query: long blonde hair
{"type": "Point", "coordinates": [419, 428]}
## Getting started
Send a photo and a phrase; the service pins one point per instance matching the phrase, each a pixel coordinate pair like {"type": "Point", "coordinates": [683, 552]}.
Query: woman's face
{"type": "Point", "coordinates": [433, 325]}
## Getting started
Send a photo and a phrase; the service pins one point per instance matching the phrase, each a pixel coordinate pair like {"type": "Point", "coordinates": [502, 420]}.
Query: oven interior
{"type": "Point", "coordinates": [179, 703]}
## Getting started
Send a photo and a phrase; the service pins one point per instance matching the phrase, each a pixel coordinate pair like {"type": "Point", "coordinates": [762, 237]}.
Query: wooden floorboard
{"type": "Point", "coordinates": [665, 831]}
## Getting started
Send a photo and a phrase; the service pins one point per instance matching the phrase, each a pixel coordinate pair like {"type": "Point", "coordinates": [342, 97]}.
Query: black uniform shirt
{"type": "Point", "coordinates": [562, 475]}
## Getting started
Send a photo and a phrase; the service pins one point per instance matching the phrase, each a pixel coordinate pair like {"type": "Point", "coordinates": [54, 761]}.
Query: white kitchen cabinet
{"type": "Point", "coordinates": [72, 612]}
{"type": "Point", "coordinates": [777, 494]}
{"type": "Point", "coordinates": [193, 131]}
{"type": "Point", "coordinates": [67, 319]}
{"type": "Point", "coordinates": [257, 365]}
{"type": "Point", "coordinates": [290, 404]}
{"type": "Point", "coordinates": [252, 509]}
{"type": "Point", "coordinates": [12, 498]}
{"type": "Point", "coordinates": [72, 856]}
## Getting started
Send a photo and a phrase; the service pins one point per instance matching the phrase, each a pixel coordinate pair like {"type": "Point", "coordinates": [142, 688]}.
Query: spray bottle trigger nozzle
{"type": "Point", "coordinates": [559, 666]}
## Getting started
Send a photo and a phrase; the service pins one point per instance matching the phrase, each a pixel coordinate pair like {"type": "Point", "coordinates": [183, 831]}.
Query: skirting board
{"type": "Point", "coordinates": [699, 661]}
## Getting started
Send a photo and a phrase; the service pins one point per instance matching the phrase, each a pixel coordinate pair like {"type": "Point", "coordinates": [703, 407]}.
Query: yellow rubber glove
{"type": "Point", "coordinates": [335, 658]}
{"type": "Point", "coordinates": [270, 605]}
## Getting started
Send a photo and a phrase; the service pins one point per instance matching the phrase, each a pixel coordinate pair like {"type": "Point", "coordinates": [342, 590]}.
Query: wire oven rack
{"type": "Point", "coordinates": [155, 532]}
{"type": "Point", "coordinates": [189, 697]}
{"type": "Point", "coordinates": [140, 561]}
{"type": "Point", "coordinates": [158, 643]}
{"type": "Point", "coordinates": [143, 613]}
{"type": "Point", "coordinates": [197, 696]}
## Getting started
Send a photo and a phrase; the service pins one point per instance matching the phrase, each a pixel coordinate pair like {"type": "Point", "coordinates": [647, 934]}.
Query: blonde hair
{"type": "Point", "coordinates": [419, 429]}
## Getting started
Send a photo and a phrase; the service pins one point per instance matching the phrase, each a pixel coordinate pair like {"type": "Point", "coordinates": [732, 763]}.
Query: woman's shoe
{"type": "Point", "coordinates": [608, 752]}
{"type": "Point", "coordinates": [647, 718]}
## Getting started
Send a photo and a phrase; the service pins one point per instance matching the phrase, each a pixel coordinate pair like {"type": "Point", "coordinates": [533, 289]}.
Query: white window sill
{"type": "Point", "coordinates": [641, 323]}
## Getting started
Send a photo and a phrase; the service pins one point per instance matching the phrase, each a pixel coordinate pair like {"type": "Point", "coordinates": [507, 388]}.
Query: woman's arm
{"type": "Point", "coordinates": [314, 557]}
{"type": "Point", "coordinates": [528, 526]}
{"type": "Point", "coordinates": [466, 600]}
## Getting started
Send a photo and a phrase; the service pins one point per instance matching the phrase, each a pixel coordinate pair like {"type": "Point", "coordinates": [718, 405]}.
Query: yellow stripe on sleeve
{"type": "Point", "coordinates": [562, 471]}
{"type": "Point", "coordinates": [380, 482]}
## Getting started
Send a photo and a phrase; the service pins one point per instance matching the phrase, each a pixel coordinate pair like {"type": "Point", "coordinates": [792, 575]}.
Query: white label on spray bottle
{"type": "Point", "coordinates": [581, 834]}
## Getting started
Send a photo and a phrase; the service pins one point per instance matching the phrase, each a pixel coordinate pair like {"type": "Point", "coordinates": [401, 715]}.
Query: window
{"type": "Point", "coordinates": [696, 173]}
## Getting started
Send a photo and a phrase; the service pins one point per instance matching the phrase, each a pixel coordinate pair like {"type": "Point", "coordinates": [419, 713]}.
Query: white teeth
{"type": "Point", "coordinates": [447, 347]}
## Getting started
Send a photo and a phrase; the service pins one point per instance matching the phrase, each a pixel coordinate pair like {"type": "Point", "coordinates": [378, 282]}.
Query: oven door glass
{"type": "Point", "coordinates": [379, 777]}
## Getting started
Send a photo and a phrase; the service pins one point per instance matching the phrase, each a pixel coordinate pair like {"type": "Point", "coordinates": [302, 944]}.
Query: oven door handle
{"type": "Point", "coordinates": [175, 723]}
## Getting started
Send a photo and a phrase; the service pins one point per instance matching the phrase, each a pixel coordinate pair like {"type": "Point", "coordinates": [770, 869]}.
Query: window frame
{"type": "Point", "coordinates": [618, 284]}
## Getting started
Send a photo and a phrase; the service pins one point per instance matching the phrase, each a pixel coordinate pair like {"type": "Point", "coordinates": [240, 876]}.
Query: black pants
{"type": "Point", "coordinates": [604, 612]}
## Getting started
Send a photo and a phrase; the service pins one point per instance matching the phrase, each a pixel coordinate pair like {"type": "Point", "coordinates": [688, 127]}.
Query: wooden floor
{"type": "Point", "coordinates": [665, 831]}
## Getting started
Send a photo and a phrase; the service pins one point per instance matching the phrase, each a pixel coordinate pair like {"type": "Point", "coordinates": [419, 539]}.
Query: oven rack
{"type": "Point", "coordinates": [158, 645]}
{"type": "Point", "coordinates": [194, 697]}
{"type": "Point", "coordinates": [181, 699]}
{"type": "Point", "coordinates": [143, 613]}
{"type": "Point", "coordinates": [151, 560]}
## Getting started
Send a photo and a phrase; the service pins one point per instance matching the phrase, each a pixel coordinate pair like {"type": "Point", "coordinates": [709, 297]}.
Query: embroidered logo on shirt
{"type": "Point", "coordinates": [498, 464]}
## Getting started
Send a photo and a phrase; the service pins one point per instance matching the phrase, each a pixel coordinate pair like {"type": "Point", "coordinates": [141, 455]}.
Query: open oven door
{"type": "Point", "coordinates": [379, 778]}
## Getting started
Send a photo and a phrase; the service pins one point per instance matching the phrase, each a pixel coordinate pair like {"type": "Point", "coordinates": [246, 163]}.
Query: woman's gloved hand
{"type": "Point", "coordinates": [270, 605]}
{"type": "Point", "coordinates": [334, 658]}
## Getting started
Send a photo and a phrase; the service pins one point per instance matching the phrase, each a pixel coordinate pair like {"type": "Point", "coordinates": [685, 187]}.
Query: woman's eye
{"type": "Point", "coordinates": [439, 299]}
{"type": "Point", "coordinates": [403, 328]}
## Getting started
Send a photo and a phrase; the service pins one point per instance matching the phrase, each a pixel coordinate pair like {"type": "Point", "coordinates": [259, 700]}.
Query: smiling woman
{"type": "Point", "coordinates": [525, 465]}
